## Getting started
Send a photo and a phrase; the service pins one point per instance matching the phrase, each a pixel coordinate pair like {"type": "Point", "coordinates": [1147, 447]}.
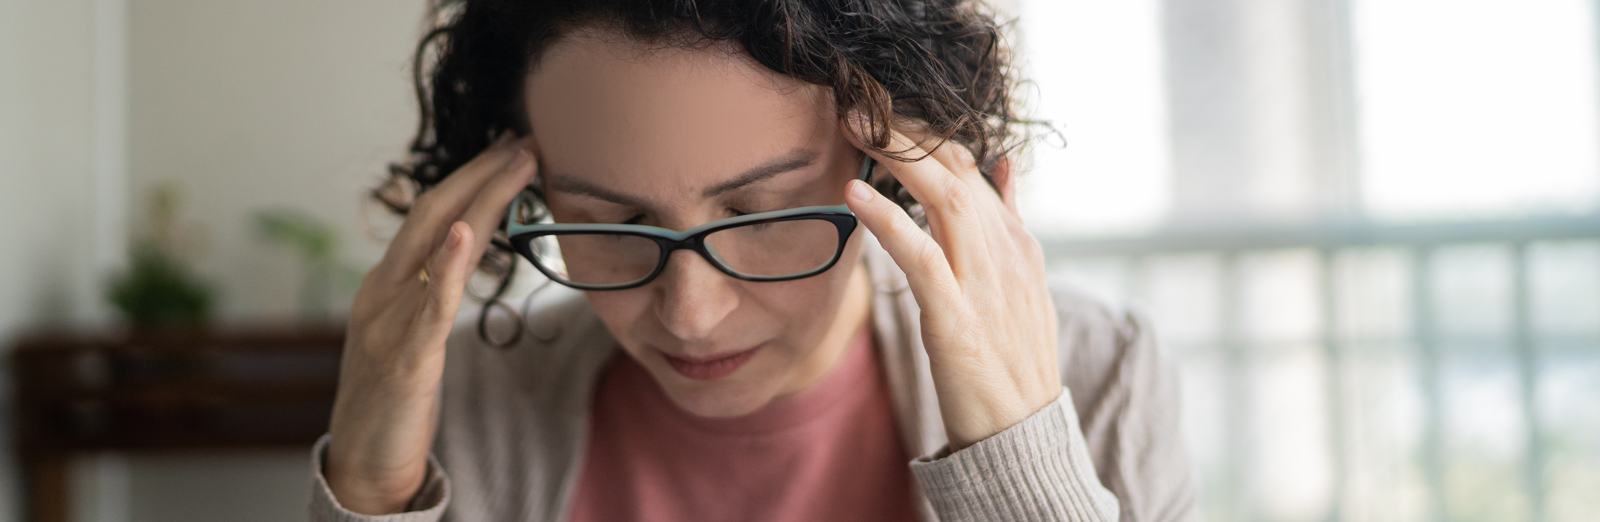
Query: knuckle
{"type": "Point", "coordinates": [902, 225]}
{"type": "Point", "coordinates": [436, 306]}
{"type": "Point", "coordinates": [1031, 247]}
{"type": "Point", "coordinates": [431, 304]}
{"type": "Point", "coordinates": [928, 256]}
{"type": "Point", "coordinates": [964, 158]}
{"type": "Point", "coordinates": [959, 198]}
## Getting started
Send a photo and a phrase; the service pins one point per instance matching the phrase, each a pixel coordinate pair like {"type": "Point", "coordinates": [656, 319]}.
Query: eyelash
{"type": "Point", "coordinates": [757, 228]}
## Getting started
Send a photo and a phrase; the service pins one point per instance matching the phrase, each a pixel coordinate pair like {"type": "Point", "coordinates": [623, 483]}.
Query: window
{"type": "Point", "coordinates": [1477, 107]}
{"type": "Point", "coordinates": [1107, 169]}
{"type": "Point", "coordinates": [1368, 231]}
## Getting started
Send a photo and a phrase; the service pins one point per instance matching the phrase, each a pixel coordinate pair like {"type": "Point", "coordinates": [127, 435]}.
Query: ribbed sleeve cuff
{"type": "Point", "coordinates": [1037, 470]}
{"type": "Point", "coordinates": [427, 506]}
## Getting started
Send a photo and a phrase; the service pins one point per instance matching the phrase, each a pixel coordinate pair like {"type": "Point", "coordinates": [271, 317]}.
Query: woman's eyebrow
{"type": "Point", "coordinates": [795, 160]}
{"type": "Point", "coordinates": [580, 187]}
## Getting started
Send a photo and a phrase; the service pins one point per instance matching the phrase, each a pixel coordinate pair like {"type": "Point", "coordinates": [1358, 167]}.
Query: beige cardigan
{"type": "Point", "coordinates": [514, 422]}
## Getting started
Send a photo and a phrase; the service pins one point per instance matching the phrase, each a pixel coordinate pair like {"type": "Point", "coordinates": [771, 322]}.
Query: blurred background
{"type": "Point", "coordinates": [1367, 231]}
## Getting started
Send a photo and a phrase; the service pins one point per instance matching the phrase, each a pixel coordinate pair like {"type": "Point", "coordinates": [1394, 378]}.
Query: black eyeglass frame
{"type": "Point", "coordinates": [668, 241]}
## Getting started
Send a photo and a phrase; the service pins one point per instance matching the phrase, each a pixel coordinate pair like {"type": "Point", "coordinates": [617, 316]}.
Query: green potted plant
{"type": "Point", "coordinates": [159, 290]}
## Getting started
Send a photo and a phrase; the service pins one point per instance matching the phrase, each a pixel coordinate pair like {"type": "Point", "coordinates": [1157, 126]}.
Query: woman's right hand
{"type": "Point", "coordinates": [384, 414]}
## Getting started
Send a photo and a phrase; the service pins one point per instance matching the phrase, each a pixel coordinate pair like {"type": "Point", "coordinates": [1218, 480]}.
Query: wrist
{"type": "Point", "coordinates": [370, 493]}
{"type": "Point", "coordinates": [975, 408]}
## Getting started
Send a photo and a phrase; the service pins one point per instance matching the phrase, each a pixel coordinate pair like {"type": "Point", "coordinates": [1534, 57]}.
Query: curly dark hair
{"type": "Point", "coordinates": [942, 64]}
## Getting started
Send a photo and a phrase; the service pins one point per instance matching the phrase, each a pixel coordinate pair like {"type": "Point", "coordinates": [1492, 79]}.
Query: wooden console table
{"type": "Point", "coordinates": [255, 388]}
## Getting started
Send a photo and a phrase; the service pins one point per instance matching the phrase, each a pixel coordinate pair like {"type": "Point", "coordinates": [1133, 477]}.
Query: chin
{"type": "Point", "coordinates": [730, 397]}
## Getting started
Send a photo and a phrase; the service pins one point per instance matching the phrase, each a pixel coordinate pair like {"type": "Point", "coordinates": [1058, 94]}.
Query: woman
{"type": "Point", "coordinates": [741, 349]}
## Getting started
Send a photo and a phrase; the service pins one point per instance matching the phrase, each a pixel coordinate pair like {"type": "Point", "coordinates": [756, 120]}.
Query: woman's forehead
{"type": "Point", "coordinates": [604, 107]}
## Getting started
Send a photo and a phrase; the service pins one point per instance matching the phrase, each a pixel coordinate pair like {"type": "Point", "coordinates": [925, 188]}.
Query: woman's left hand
{"type": "Point", "coordinates": [988, 322]}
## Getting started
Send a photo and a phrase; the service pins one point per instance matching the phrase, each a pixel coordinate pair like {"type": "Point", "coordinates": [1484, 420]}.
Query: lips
{"type": "Point", "coordinates": [709, 369]}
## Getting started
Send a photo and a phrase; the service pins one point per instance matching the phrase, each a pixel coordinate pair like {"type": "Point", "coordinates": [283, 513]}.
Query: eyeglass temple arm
{"type": "Point", "coordinates": [516, 209]}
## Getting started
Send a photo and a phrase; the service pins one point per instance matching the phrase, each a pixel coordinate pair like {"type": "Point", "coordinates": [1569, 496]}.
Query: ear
{"type": "Point", "coordinates": [1005, 181]}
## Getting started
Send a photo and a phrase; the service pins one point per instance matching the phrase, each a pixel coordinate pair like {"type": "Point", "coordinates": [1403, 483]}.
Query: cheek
{"type": "Point", "coordinates": [796, 305]}
{"type": "Point", "coordinates": [793, 311]}
{"type": "Point", "coordinates": [622, 311]}
{"type": "Point", "coordinates": [804, 309]}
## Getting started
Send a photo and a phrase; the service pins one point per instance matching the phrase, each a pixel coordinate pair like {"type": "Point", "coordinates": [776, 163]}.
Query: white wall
{"type": "Point", "coordinates": [49, 184]}
{"type": "Point", "coordinates": [245, 106]}
{"type": "Point", "coordinates": [46, 166]}
{"type": "Point", "coordinates": [257, 105]}
{"type": "Point", "coordinates": [249, 106]}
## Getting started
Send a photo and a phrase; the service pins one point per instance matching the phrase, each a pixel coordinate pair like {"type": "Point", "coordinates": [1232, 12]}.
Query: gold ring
{"type": "Point", "coordinates": [423, 275]}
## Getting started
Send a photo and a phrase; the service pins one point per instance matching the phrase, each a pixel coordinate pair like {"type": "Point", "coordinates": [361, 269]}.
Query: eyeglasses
{"type": "Point", "coordinates": [782, 245]}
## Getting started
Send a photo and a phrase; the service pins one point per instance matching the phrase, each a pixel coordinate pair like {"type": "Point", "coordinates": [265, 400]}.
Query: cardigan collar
{"type": "Point", "coordinates": [896, 320]}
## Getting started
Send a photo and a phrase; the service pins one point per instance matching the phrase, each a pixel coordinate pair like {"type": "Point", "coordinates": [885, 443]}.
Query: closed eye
{"type": "Point", "coordinates": [757, 227]}
{"type": "Point", "coordinates": [737, 212]}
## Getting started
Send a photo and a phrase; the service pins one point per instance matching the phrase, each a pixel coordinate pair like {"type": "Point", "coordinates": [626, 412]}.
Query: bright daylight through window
{"type": "Point", "coordinates": [1420, 339]}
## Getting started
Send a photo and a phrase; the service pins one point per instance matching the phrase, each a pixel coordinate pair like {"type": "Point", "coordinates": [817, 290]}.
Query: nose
{"type": "Point", "coordinates": [693, 297]}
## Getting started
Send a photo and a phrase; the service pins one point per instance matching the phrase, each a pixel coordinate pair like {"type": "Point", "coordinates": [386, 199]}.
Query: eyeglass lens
{"type": "Point", "coordinates": [775, 249]}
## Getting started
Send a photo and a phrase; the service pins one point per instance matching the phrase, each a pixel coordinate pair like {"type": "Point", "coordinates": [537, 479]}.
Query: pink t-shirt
{"type": "Point", "coordinates": [828, 453]}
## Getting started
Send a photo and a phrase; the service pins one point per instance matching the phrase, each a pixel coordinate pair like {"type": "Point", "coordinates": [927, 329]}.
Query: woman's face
{"type": "Point", "coordinates": [669, 137]}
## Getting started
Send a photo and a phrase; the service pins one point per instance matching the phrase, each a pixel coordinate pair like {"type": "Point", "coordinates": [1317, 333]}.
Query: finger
{"type": "Point", "coordinates": [434, 210]}
{"type": "Point", "coordinates": [958, 159]}
{"type": "Point", "coordinates": [1005, 179]}
{"type": "Point", "coordinates": [955, 157]}
{"type": "Point", "coordinates": [447, 279]}
{"type": "Point", "coordinates": [928, 180]}
{"type": "Point", "coordinates": [999, 216]}
{"type": "Point", "coordinates": [951, 204]}
{"type": "Point", "coordinates": [993, 193]}
{"type": "Point", "coordinates": [489, 207]}
{"type": "Point", "coordinates": [996, 214]}
{"type": "Point", "coordinates": [426, 223]}
{"type": "Point", "coordinates": [919, 256]}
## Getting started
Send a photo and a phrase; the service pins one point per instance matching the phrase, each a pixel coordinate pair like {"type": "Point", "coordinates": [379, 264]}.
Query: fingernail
{"type": "Point", "coordinates": [519, 161]}
{"type": "Point", "coordinates": [859, 191]}
{"type": "Point", "coordinates": [453, 240]}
